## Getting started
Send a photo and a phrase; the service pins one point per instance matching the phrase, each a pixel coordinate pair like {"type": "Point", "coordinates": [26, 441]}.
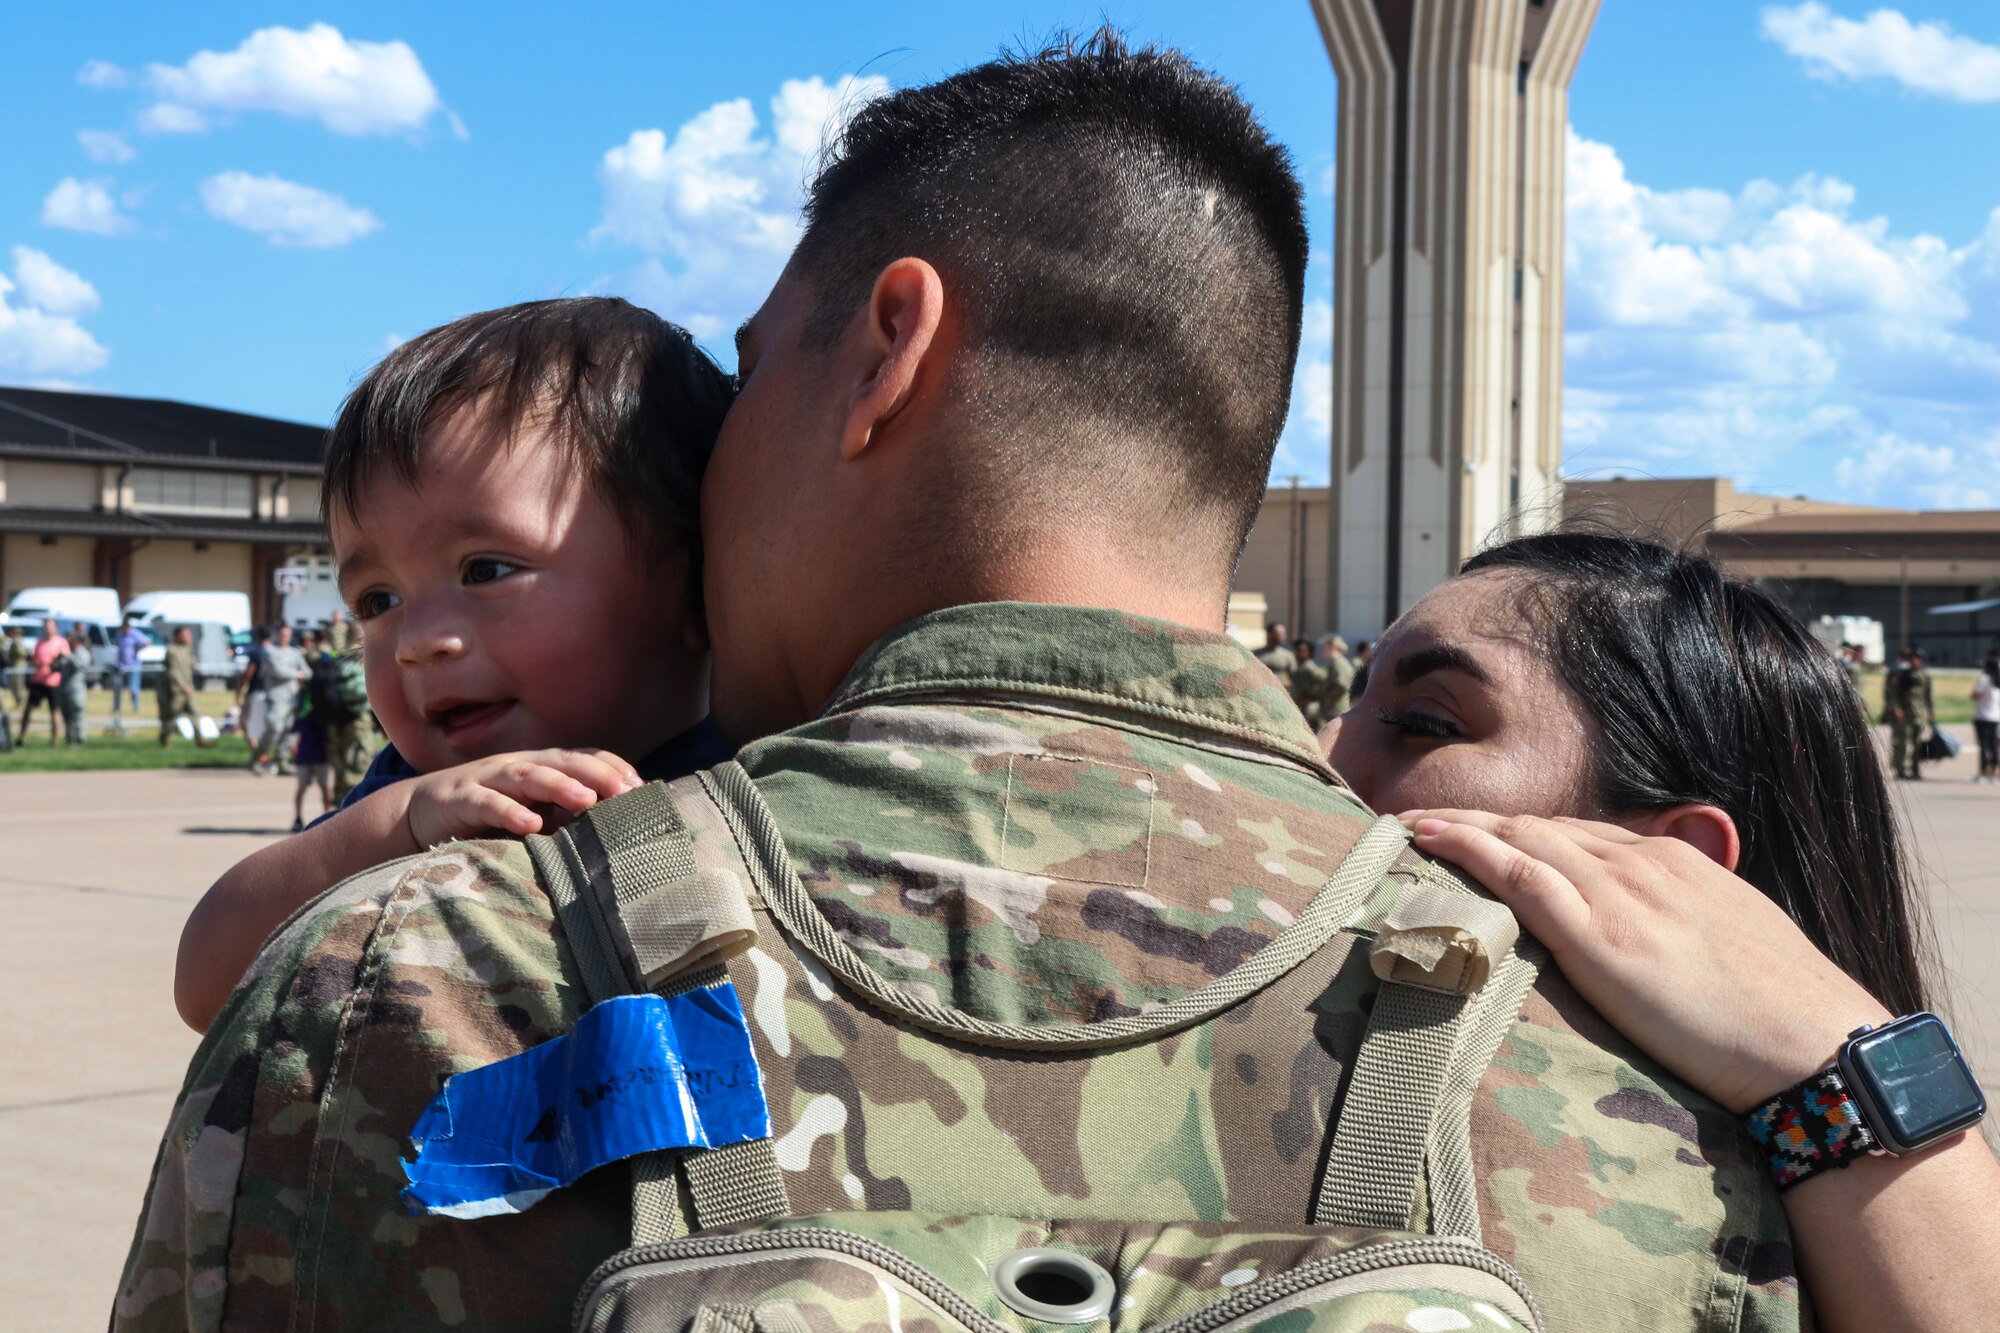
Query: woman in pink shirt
{"type": "Point", "coordinates": [45, 685]}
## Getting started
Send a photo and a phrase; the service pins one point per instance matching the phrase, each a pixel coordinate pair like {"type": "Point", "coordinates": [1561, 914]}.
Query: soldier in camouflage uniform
{"type": "Point", "coordinates": [1024, 812]}
{"type": "Point", "coordinates": [1277, 655]}
{"type": "Point", "coordinates": [1308, 681]}
{"type": "Point", "coordinates": [1336, 691]}
{"type": "Point", "coordinates": [1907, 706]}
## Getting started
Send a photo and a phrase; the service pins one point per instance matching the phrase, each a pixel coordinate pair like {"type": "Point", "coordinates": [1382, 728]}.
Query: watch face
{"type": "Point", "coordinates": [1912, 1076]}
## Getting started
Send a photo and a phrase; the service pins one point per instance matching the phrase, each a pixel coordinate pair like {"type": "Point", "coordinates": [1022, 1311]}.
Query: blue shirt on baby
{"type": "Point", "coordinates": [700, 746]}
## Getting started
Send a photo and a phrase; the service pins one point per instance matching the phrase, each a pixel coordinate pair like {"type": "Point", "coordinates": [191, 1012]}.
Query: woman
{"type": "Point", "coordinates": [1986, 717]}
{"type": "Point", "coordinates": [1699, 730]}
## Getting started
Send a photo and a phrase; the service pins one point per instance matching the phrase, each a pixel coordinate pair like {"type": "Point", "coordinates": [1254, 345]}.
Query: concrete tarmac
{"type": "Point", "coordinates": [98, 871]}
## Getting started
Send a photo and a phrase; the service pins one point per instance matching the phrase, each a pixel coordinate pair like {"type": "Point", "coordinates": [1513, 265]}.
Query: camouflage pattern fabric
{"type": "Point", "coordinates": [854, 1270]}
{"type": "Point", "coordinates": [1034, 814]}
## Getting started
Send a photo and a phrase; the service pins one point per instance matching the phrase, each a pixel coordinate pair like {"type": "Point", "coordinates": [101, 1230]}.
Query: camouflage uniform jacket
{"type": "Point", "coordinates": [176, 683]}
{"type": "Point", "coordinates": [1034, 814]}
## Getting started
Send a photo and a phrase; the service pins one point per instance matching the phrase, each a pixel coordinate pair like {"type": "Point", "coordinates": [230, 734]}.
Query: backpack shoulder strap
{"type": "Point", "coordinates": [651, 891]}
{"type": "Point", "coordinates": [1455, 970]}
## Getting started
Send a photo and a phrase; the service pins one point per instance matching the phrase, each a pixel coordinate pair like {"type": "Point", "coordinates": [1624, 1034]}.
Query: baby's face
{"type": "Point", "coordinates": [503, 607]}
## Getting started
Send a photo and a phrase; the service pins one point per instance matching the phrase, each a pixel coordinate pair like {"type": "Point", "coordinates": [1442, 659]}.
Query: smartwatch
{"type": "Point", "coordinates": [1894, 1089]}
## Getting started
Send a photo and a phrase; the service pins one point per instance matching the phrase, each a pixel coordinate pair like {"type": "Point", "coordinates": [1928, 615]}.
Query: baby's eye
{"type": "Point", "coordinates": [488, 569]}
{"type": "Point", "coordinates": [374, 602]}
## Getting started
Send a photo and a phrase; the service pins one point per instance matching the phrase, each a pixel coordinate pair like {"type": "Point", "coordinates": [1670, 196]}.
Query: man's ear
{"type": "Point", "coordinates": [1705, 828]}
{"type": "Point", "coordinates": [904, 314]}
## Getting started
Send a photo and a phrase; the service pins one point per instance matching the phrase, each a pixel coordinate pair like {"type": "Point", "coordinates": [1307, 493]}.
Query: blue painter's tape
{"type": "Point", "coordinates": [636, 1074]}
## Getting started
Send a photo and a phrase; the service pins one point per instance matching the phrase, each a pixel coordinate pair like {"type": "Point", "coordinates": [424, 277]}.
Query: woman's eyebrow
{"type": "Point", "coordinates": [1441, 658]}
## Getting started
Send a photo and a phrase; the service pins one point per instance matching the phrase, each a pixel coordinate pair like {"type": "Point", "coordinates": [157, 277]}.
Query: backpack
{"type": "Point", "coordinates": [658, 889]}
{"type": "Point", "coordinates": [337, 690]}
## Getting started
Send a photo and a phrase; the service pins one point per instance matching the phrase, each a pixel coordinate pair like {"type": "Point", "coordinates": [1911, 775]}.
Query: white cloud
{"type": "Point", "coordinates": [714, 206]}
{"type": "Point", "coordinates": [1776, 336]}
{"type": "Point", "coordinates": [314, 73]}
{"type": "Point", "coordinates": [288, 213]}
{"type": "Point", "coordinates": [102, 74]}
{"type": "Point", "coordinates": [50, 286]}
{"type": "Point", "coordinates": [40, 339]}
{"type": "Point", "coordinates": [105, 146]}
{"type": "Point", "coordinates": [1304, 449]}
{"type": "Point", "coordinates": [172, 118]}
{"type": "Point", "coordinates": [84, 205]}
{"type": "Point", "coordinates": [1924, 57]}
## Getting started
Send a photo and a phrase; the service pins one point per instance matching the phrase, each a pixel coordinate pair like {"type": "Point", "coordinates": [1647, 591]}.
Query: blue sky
{"type": "Point", "coordinates": [1784, 225]}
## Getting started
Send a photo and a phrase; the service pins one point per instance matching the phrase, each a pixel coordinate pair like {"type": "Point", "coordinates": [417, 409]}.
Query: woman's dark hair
{"type": "Point", "coordinates": [1991, 666]}
{"type": "Point", "coordinates": [1706, 690]}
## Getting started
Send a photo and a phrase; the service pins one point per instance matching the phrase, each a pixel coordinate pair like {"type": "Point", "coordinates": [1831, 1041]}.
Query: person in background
{"type": "Point", "coordinates": [1339, 684]}
{"type": "Point", "coordinates": [175, 690]}
{"type": "Point", "coordinates": [1363, 650]}
{"type": "Point", "coordinates": [1308, 681]}
{"type": "Point", "coordinates": [309, 756]}
{"type": "Point", "coordinates": [250, 696]}
{"type": "Point", "coordinates": [339, 632]}
{"type": "Point", "coordinates": [1908, 709]}
{"type": "Point", "coordinates": [1986, 717]}
{"type": "Point", "coordinates": [76, 685]}
{"type": "Point", "coordinates": [1852, 662]}
{"type": "Point", "coordinates": [280, 674]}
{"type": "Point", "coordinates": [45, 681]}
{"type": "Point", "coordinates": [131, 642]}
{"type": "Point", "coordinates": [1276, 655]}
{"type": "Point", "coordinates": [14, 666]}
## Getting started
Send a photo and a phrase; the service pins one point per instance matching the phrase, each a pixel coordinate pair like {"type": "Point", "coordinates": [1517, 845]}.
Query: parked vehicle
{"type": "Point", "coordinates": [191, 608]}
{"type": "Point", "coordinates": [98, 605]}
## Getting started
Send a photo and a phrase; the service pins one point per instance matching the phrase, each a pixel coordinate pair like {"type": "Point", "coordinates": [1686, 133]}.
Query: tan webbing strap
{"type": "Point", "coordinates": [1404, 1132]}
{"type": "Point", "coordinates": [1399, 1076]}
{"type": "Point", "coordinates": [737, 1183]}
{"type": "Point", "coordinates": [640, 916]}
{"type": "Point", "coordinates": [1448, 1174]}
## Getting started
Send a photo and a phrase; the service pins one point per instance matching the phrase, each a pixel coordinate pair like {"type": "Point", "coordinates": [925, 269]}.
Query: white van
{"type": "Point", "coordinates": [98, 605]}
{"type": "Point", "coordinates": [191, 608]}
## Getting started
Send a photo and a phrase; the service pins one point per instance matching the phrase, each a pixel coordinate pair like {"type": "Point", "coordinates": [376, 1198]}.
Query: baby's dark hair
{"type": "Point", "coordinates": [629, 398]}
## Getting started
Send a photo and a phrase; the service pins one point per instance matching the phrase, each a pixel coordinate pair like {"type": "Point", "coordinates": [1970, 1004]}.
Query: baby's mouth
{"type": "Point", "coordinates": [464, 721]}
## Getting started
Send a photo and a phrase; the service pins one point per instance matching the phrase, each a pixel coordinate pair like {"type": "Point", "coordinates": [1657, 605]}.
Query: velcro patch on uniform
{"type": "Point", "coordinates": [636, 1074]}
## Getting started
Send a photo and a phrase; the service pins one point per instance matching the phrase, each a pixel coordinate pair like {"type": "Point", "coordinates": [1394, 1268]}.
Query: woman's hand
{"type": "Point", "coordinates": [1694, 965]}
{"type": "Point", "coordinates": [533, 791]}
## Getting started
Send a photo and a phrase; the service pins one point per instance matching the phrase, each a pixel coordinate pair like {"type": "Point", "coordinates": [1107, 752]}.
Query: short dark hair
{"type": "Point", "coordinates": [1706, 690]}
{"type": "Point", "coordinates": [1128, 246]}
{"type": "Point", "coordinates": [630, 398]}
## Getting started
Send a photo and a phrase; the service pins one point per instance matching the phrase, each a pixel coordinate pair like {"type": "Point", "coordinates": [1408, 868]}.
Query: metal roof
{"type": "Point", "coordinates": [101, 427]}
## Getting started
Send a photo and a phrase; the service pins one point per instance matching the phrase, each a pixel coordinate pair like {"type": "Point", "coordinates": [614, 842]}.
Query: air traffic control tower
{"type": "Point", "coordinates": [1448, 286]}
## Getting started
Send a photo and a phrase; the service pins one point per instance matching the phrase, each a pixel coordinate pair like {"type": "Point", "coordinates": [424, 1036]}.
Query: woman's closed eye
{"type": "Point", "coordinates": [1414, 722]}
{"type": "Point", "coordinates": [488, 569]}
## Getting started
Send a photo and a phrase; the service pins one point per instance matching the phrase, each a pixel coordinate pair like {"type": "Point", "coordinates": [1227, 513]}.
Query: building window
{"type": "Point", "coordinates": [178, 491]}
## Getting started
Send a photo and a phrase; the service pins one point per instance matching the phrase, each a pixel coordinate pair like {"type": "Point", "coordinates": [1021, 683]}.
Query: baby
{"type": "Point", "coordinates": [513, 503]}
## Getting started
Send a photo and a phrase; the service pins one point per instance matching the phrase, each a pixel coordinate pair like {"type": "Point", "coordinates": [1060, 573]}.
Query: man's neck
{"type": "Point", "coordinates": [1057, 573]}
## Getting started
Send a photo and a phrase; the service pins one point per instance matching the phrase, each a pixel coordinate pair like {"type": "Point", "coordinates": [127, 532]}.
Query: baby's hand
{"type": "Point", "coordinates": [475, 799]}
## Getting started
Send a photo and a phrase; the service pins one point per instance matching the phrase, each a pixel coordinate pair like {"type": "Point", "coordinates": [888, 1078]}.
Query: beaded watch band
{"type": "Point", "coordinates": [1810, 1127]}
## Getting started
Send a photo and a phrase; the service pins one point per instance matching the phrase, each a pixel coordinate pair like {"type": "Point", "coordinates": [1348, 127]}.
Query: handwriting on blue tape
{"type": "Point", "coordinates": [636, 1074]}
